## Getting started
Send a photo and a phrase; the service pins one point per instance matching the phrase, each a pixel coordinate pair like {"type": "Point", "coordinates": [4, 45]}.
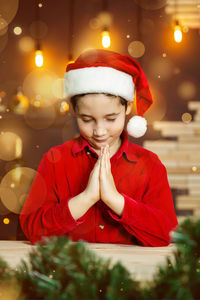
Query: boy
{"type": "Point", "coordinates": [100, 187]}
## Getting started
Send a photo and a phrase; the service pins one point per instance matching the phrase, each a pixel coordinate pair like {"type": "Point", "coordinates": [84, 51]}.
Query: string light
{"type": "Point", "coordinates": [105, 38]}
{"type": "Point", "coordinates": [39, 58]}
{"type": "Point", "coordinates": [6, 221]}
{"type": "Point", "coordinates": [177, 32]}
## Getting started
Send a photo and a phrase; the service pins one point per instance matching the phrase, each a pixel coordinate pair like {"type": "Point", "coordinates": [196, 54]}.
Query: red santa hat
{"type": "Point", "coordinates": [104, 71]}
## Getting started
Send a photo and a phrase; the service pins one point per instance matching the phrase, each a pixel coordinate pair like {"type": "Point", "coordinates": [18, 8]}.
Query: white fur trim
{"type": "Point", "coordinates": [137, 126]}
{"type": "Point", "coordinates": [99, 80]}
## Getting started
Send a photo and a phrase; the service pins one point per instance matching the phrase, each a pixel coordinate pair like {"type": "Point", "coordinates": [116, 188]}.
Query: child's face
{"type": "Point", "coordinates": [101, 119]}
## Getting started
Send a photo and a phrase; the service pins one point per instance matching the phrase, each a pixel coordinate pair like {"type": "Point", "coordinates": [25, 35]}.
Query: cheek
{"type": "Point", "coordinates": [85, 128]}
{"type": "Point", "coordinates": [119, 125]}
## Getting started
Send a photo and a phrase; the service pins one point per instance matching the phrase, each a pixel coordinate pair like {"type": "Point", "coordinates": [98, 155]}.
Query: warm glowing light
{"type": "Point", "coordinates": [64, 107]}
{"type": "Point", "coordinates": [10, 146]}
{"type": "Point", "coordinates": [17, 30]}
{"type": "Point", "coordinates": [187, 90]}
{"type": "Point", "coordinates": [177, 33]}
{"type": "Point", "coordinates": [105, 39]}
{"type": "Point", "coordinates": [37, 101]}
{"type": "Point", "coordinates": [19, 103]}
{"type": "Point", "coordinates": [38, 85]}
{"type": "Point", "coordinates": [21, 179]}
{"type": "Point", "coordinates": [194, 169]}
{"type": "Point", "coordinates": [58, 88]}
{"type": "Point", "coordinates": [186, 118]}
{"type": "Point", "coordinates": [38, 58]}
{"type": "Point", "coordinates": [6, 221]}
{"type": "Point", "coordinates": [136, 49]}
{"type": "Point", "coordinates": [40, 4]}
{"type": "Point", "coordinates": [26, 44]}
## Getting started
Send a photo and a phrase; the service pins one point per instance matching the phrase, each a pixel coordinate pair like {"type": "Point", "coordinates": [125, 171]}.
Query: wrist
{"type": "Point", "coordinates": [89, 198]}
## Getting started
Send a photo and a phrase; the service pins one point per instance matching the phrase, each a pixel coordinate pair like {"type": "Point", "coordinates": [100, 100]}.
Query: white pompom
{"type": "Point", "coordinates": [137, 126]}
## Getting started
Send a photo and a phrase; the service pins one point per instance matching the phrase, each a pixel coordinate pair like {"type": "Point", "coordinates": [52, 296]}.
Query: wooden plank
{"type": "Point", "coordinates": [194, 105]}
{"type": "Point", "coordinates": [142, 262]}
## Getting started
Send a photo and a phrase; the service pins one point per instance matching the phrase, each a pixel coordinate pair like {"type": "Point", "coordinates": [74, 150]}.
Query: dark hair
{"type": "Point", "coordinates": [75, 99]}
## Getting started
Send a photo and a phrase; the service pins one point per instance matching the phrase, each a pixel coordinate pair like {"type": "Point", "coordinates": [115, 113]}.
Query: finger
{"type": "Point", "coordinates": [107, 159]}
{"type": "Point", "coordinates": [103, 166]}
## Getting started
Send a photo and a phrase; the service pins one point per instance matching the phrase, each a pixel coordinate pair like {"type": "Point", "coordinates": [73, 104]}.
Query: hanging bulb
{"type": "Point", "coordinates": [38, 58]}
{"type": "Point", "coordinates": [105, 38]}
{"type": "Point", "coordinates": [177, 32]}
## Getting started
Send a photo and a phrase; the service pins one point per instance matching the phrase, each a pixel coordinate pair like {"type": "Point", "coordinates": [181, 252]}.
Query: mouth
{"type": "Point", "coordinates": [100, 141]}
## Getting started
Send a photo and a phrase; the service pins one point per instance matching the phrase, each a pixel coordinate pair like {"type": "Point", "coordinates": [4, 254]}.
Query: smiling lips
{"type": "Point", "coordinates": [100, 141]}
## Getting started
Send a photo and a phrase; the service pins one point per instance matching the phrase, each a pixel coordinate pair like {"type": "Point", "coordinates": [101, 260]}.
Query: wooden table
{"type": "Point", "coordinates": [142, 262]}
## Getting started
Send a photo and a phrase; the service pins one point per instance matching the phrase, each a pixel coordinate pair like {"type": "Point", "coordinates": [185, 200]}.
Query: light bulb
{"type": "Point", "coordinates": [177, 33]}
{"type": "Point", "coordinates": [38, 58]}
{"type": "Point", "coordinates": [105, 39]}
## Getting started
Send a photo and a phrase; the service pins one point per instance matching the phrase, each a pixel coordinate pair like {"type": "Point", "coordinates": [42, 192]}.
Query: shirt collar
{"type": "Point", "coordinates": [80, 143]}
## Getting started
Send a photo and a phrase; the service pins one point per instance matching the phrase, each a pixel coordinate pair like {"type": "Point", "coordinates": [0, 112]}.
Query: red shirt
{"type": "Point", "coordinates": [139, 176]}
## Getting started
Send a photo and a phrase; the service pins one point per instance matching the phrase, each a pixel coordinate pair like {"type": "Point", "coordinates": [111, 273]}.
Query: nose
{"type": "Point", "coordinates": [99, 130]}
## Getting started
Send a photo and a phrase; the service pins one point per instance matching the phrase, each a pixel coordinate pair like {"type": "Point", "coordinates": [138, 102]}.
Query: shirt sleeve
{"type": "Point", "coordinates": [43, 213]}
{"type": "Point", "coordinates": [151, 219]}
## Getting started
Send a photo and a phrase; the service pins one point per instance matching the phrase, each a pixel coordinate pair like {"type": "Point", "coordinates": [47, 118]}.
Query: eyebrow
{"type": "Point", "coordinates": [108, 115]}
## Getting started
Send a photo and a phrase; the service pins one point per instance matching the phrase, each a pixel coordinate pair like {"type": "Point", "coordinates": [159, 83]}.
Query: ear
{"type": "Point", "coordinates": [129, 107]}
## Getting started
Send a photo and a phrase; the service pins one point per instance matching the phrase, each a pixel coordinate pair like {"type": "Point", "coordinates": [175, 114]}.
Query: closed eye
{"type": "Point", "coordinates": [109, 120]}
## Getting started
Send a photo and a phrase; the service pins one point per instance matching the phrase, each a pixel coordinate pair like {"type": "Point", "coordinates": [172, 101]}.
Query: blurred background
{"type": "Point", "coordinates": [37, 40]}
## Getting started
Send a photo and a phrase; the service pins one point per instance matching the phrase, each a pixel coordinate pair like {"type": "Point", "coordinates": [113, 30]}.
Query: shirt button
{"type": "Point", "coordinates": [101, 226]}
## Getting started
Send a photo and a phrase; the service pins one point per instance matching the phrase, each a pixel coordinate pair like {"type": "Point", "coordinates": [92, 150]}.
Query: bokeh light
{"type": "Point", "coordinates": [105, 18]}
{"type": "Point", "coordinates": [17, 30]}
{"type": "Point", "coordinates": [161, 67]}
{"type": "Point", "coordinates": [151, 4]}
{"type": "Point", "coordinates": [40, 82]}
{"type": "Point", "coordinates": [6, 221]}
{"type": "Point", "coordinates": [136, 49]}
{"type": "Point", "coordinates": [157, 111]}
{"type": "Point", "coordinates": [40, 117]}
{"type": "Point", "coordinates": [26, 44]}
{"type": "Point", "coordinates": [38, 29]}
{"type": "Point", "coordinates": [10, 146]}
{"type": "Point", "coordinates": [22, 178]}
{"type": "Point", "coordinates": [3, 41]}
{"type": "Point", "coordinates": [185, 29]}
{"type": "Point", "coordinates": [186, 90]}
{"type": "Point", "coordinates": [9, 199]}
{"type": "Point", "coordinates": [3, 210]}
{"type": "Point", "coordinates": [58, 88]}
{"type": "Point", "coordinates": [186, 118]}
{"type": "Point", "coordinates": [3, 25]}
{"type": "Point", "coordinates": [94, 23]}
{"type": "Point", "coordinates": [9, 9]}
{"type": "Point", "coordinates": [19, 103]}
{"type": "Point", "coordinates": [194, 168]}
{"type": "Point", "coordinates": [63, 107]}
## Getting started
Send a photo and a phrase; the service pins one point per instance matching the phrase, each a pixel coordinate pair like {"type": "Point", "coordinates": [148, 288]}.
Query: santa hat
{"type": "Point", "coordinates": [104, 71]}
